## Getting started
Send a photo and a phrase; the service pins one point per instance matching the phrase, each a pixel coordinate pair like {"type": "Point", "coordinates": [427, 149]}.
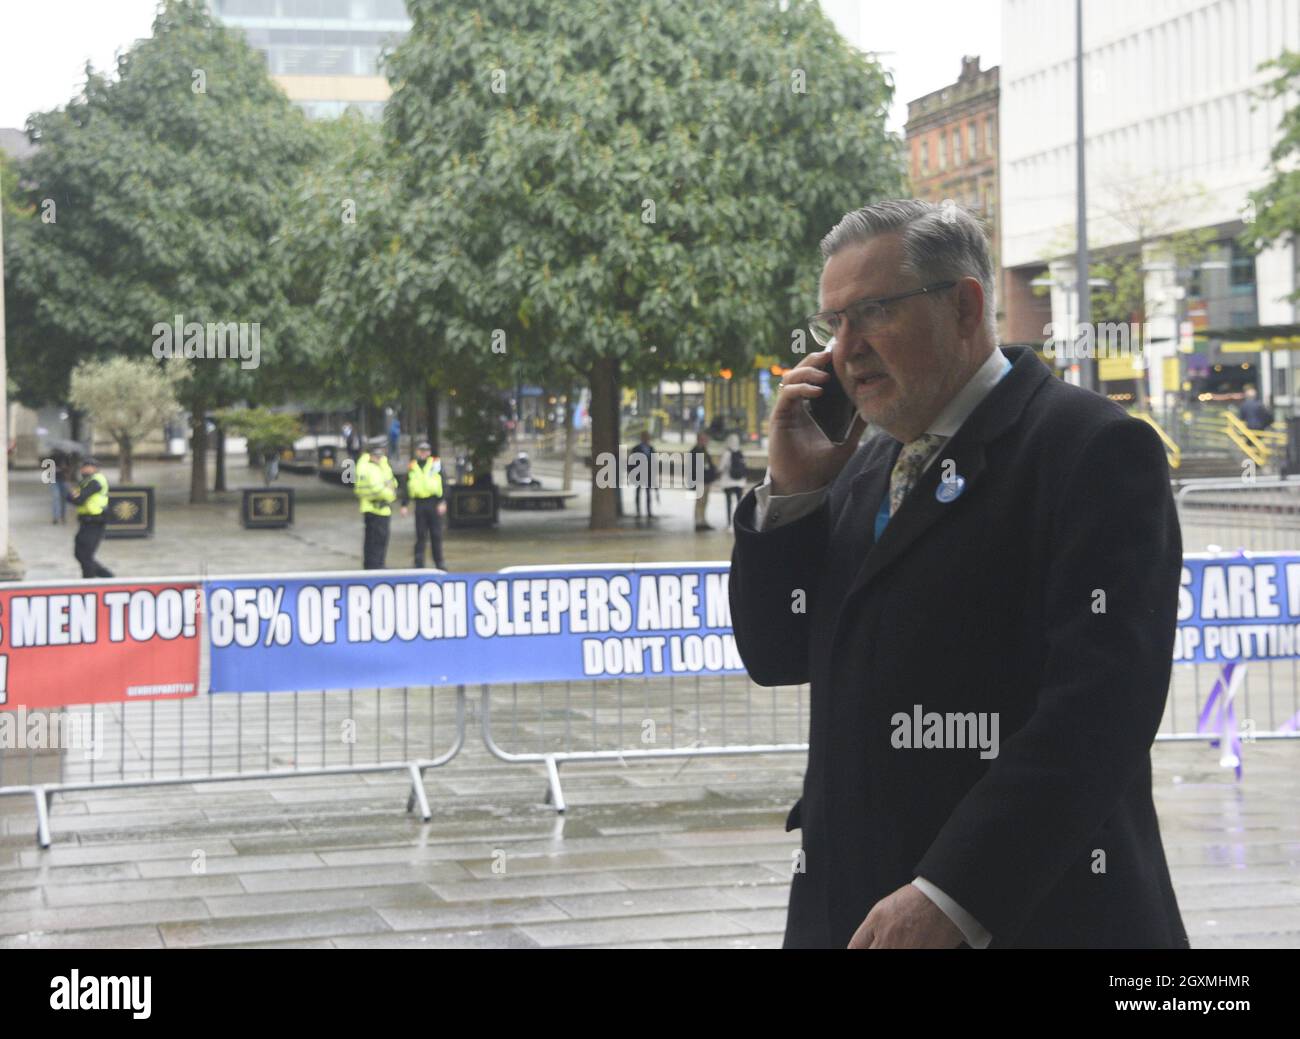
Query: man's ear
{"type": "Point", "coordinates": [970, 306]}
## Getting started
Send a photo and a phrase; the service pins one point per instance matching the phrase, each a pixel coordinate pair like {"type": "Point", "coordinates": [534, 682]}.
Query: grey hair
{"type": "Point", "coordinates": [941, 242]}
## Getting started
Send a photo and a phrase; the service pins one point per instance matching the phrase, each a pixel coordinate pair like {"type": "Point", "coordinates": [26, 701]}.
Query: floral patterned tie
{"type": "Point", "coordinates": [911, 460]}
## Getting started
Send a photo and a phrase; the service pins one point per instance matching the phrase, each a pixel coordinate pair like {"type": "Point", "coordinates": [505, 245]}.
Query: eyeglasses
{"type": "Point", "coordinates": [868, 315]}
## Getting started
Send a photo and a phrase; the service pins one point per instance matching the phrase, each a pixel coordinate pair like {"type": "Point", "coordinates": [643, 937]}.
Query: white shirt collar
{"type": "Point", "coordinates": [949, 420]}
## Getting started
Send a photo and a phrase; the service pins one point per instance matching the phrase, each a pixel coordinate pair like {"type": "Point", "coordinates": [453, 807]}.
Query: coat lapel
{"type": "Point", "coordinates": [966, 452]}
{"type": "Point", "coordinates": [857, 523]}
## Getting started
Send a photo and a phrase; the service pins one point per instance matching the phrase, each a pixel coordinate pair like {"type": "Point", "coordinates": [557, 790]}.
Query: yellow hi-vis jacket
{"type": "Point", "coordinates": [376, 486]}
{"type": "Point", "coordinates": [95, 503]}
{"type": "Point", "coordinates": [424, 481]}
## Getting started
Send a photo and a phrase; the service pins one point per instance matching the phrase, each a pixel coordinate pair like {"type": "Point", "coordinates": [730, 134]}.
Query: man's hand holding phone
{"type": "Point", "coordinates": [800, 455]}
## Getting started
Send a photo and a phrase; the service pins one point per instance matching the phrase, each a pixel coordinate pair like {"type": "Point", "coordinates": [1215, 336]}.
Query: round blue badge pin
{"type": "Point", "coordinates": [950, 490]}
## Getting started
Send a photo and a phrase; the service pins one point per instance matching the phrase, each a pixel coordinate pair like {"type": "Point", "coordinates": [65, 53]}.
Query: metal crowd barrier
{"type": "Point", "coordinates": [669, 717]}
{"type": "Point", "coordinates": [1258, 515]}
{"type": "Point", "coordinates": [1227, 517]}
{"type": "Point", "coordinates": [222, 737]}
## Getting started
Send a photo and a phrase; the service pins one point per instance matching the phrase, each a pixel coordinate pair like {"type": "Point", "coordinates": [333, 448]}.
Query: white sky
{"type": "Point", "coordinates": [44, 45]}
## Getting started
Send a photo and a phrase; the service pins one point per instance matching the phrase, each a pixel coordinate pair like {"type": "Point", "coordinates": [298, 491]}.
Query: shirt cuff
{"type": "Point", "coordinates": [776, 510]}
{"type": "Point", "coordinates": [975, 935]}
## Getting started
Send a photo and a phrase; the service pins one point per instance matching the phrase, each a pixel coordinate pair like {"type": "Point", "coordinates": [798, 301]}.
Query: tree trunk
{"type": "Point", "coordinates": [431, 406]}
{"type": "Point", "coordinates": [604, 439]}
{"type": "Point", "coordinates": [219, 479]}
{"type": "Point", "coordinates": [124, 473]}
{"type": "Point", "coordinates": [569, 437]}
{"type": "Point", "coordinates": [199, 463]}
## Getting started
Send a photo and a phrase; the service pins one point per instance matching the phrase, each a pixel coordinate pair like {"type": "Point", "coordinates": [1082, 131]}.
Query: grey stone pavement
{"type": "Point", "coordinates": [674, 853]}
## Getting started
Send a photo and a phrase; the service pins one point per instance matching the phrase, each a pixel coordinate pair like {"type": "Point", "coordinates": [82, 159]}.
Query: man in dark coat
{"type": "Point", "coordinates": [983, 598]}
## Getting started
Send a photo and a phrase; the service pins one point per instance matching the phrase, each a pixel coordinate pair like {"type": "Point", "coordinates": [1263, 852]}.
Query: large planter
{"type": "Point", "coordinates": [472, 505]}
{"type": "Point", "coordinates": [266, 508]}
{"type": "Point", "coordinates": [130, 512]}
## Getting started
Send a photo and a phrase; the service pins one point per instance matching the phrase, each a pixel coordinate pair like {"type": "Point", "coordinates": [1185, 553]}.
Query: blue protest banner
{"type": "Point", "coordinates": [1238, 608]}
{"type": "Point", "coordinates": [397, 628]}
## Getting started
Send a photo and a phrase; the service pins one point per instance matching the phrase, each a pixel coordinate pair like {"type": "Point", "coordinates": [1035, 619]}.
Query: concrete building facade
{"type": "Point", "coordinates": [1176, 138]}
{"type": "Point", "coordinates": [325, 54]}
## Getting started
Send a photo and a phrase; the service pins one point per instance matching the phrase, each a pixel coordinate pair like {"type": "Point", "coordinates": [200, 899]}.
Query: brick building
{"type": "Point", "coordinates": [952, 140]}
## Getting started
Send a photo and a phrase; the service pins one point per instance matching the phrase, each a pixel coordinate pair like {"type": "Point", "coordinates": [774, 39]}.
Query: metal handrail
{"type": "Point", "coordinates": [1172, 450]}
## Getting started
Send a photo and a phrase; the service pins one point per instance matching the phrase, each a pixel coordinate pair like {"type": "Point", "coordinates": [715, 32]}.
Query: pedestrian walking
{"type": "Point", "coordinates": [641, 473]}
{"type": "Point", "coordinates": [1254, 412]}
{"type": "Point", "coordinates": [61, 486]}
{"type": "Point", "coordinates": [734, 474]}
{"type": "Point", "coordinates": [351, 441]}
{"type": "Point", "coordinates": [703, 474]}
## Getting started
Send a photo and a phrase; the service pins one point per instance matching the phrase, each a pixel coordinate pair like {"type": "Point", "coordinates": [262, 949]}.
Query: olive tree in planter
{"type": "Point", "coordinates": [126, 398]}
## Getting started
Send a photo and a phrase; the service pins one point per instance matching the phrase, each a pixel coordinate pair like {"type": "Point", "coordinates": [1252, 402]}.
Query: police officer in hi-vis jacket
{"type": "Point", "coordinates": [424, 487]}
{"type": "Point", "coordinates": [91, 499]}
{"type": "Point", "coordinates": [376, 489]}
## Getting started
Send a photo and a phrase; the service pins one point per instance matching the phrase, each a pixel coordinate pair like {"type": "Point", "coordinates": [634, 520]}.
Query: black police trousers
{"type": "Point", "coordinates": [89, 534]}
{"type": "Point", "coordinates": [375, 548]}
{"type": "Point", "coordinates": [428, 527]}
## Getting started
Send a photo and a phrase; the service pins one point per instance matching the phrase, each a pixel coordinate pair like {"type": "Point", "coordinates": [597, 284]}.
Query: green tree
{"type": "Point", "coordinates": [266, 431]}
{"type": "Point", "coordinates": [1142, 212]}
{"type": "Point", "coordinates": [156, 193]}
{"type": "Point", "coordinates": [1276, 206]}
{"type": "Point", "coordinates": [478, 423]}
{"type": "Point", "coordinates": [363, 273]}
{"type": "Point", "coordinates": [127, 398]}
{"type": "Point", "coordinates": [630, 189]}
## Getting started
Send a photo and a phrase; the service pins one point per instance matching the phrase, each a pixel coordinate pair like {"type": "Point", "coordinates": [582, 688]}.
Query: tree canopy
{"type": "Point", "coordinates": [1276, 206]}
{"type": "Point", "coordinates": [156, 193]}
{"type": "Point", "coordinates": [630, 188]}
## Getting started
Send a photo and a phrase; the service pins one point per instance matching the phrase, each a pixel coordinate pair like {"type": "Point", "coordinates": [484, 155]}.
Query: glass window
{"type": "Point", "coordinates": [316, 8]}
{"type": "Point", "coordinates": [956, 147]}
{"type": "Point", "coordinates": [368, 61]}
{"type": "Point", "coordinates": [380, 10]}
{"type": "Point", "coordinates": [943, 152]}
{"type": "Point", "coordinates": [245, 8]}
{"type": "Point", "coordinates": [970, 139]}
{"type": "Point", "coordinates": [988, 135]}
{"type": "Point", "coordinates": [1243, 267]}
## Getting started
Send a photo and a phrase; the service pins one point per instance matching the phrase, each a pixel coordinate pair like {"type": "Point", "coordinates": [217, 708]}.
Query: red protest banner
{"type": "Point", "coordinates": [98, 642]}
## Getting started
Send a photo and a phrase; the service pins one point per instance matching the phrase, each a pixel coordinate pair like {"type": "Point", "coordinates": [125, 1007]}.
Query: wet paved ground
{"type": "Point", "coordinates": [326, 534]}
{"type": "Point", "coordinates": [670, 853]}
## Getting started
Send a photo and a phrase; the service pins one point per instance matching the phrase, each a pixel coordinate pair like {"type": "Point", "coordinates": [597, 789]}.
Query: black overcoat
{"type": "Point", "coordinates": [1045, 592]}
